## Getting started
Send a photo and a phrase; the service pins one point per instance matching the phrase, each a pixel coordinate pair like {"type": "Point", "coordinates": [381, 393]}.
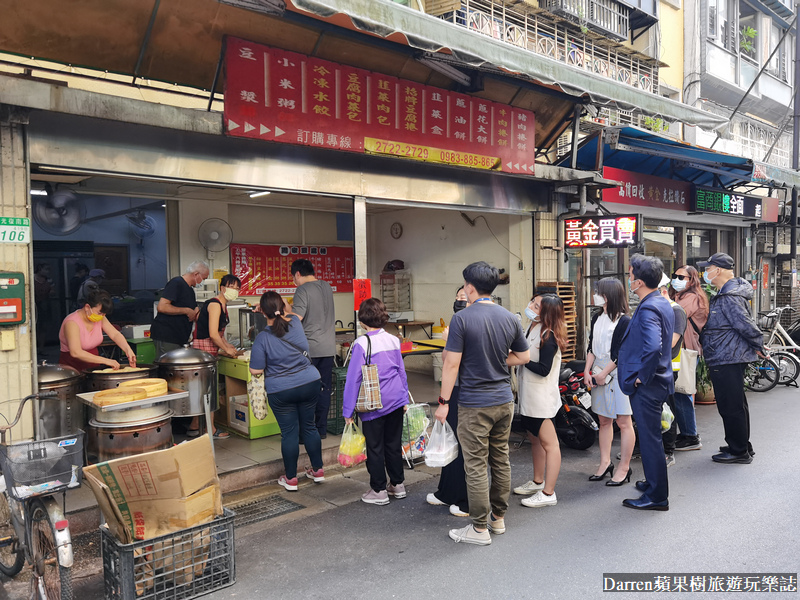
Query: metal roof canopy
{"type": "Point", "coordinates": [646, 152]}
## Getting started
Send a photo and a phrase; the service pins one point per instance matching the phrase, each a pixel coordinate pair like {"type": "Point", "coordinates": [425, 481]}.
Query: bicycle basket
{"type": "Point", "coordinates": [767, 320]}
{"type": "Point", "coordinates": [43, 467]}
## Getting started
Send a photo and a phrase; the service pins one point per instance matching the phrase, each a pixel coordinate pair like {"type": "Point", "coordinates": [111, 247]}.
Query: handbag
{"type": "Point", "coordinates": [686, 383]}
{"type": "Point", "coordinates": [257, 395]}
{"type": "Point", "coordinates": [369, 394]}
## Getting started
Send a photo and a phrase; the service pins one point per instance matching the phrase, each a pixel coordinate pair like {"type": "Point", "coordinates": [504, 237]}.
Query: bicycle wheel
{"type": "Point", "coordinates": [788, 366]}
{"type": "Point", "coordinates": [54, 579]}
{"type": "Point", "coordinates": [761, 375]}
{"type": "Point", "coordinates": [11, 555]}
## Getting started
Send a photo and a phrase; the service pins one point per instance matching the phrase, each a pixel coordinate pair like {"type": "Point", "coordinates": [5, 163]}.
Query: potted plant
{"type": "Point", "coordinates": [746, 41]}
{"type": "Point", "coordinates": [705, 391]}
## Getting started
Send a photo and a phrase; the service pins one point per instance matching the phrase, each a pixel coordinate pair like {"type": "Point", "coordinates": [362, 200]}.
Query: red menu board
{"type": "Point", "coordinates": [281, 96]}
{"type": "Point", "coordinates": [263, 268]}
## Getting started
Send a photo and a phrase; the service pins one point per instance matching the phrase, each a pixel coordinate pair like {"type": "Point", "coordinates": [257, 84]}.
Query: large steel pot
{"type": "Point", "coordinates": [64, 414]}
{"type": "Point", "coordinates": [193, 371]}
{"type": "Point", "coordinates": [107, 441]}
{"type": "Point", "coordinates": [96, 381]}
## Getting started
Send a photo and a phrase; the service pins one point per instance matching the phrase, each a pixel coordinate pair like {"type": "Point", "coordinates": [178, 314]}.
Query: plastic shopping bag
{"type": "Point", "coordinates": [666, 417]}
{"type": "Point", "coordinates": [442, 446]}
{"type": "Point", "coordinates": [353, 449]}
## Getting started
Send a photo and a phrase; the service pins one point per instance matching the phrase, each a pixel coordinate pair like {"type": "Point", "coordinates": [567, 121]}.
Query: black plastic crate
{"type": "Point", "coordinates": [177, 566]}
{"type": "Point", "coordinates": [335, 418]}
{"type": "Point", "coordinates": [43, 467]}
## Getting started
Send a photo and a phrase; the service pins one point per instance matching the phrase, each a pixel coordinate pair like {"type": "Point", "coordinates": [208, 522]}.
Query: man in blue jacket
{"type": "Point", "coordinates": [645, 375]}
{"type": "Point", "coordinates": [730, 340]}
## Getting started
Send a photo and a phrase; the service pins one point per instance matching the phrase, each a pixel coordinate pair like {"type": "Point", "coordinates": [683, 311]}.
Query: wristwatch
{"type": "Point", "coordinates": [443, 402]}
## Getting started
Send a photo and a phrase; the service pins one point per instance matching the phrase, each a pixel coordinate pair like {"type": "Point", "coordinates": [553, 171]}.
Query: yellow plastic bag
{"type": "Point", "coordinates": [353, 449]}
{"type": "Point", "coordinates": [666, 418]}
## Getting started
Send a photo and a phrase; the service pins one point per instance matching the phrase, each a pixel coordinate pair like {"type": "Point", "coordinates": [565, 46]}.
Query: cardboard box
{"type": "Point", "coordinates": [158, 492]}
{"type": "Point", "coordinates": [239, 413]}
{"type": "Point", "coordinates": [136, 331]}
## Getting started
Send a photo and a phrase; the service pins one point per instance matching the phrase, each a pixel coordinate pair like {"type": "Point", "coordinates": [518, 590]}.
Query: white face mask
{"type": "Point", "coordinates": [230, 294]}
{"type": "Point", "coordinates": [599, 300]}
{"type": "Point", "coordinates": [678, 285]}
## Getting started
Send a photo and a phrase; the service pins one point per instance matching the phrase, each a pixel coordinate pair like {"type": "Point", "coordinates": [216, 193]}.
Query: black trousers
{"type": "Point", "coordinates": [452, 481]}
{"type": "Point", "coordinates": [324, 365]}
{"type": "Point", "coordinates": [384, 449]}
{"type": "Point", "coordinates": [732, 405]}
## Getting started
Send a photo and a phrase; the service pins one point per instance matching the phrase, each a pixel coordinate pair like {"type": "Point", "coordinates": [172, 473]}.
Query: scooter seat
{"type": "Point", "coordinates": [565, 375]}
{"type": "Point", "coordinates": [576, 365]}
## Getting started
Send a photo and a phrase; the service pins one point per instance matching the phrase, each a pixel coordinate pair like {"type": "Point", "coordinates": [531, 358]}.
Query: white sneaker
{"type": "Point", "coordinates": [432, 499]}
{"type": "Point", "coordinates": [457, 512]}
{"type": "Point", "coordinates": [496, 526]}
{"type": "Point", "coordinates": [539, 499]}
{"type": "Point", "coordinates": [468, 535]}
{"type": "Point", "coordinates": [529, 488]}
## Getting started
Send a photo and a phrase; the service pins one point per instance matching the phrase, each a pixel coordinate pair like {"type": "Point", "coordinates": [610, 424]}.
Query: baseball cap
{"type": "Point", "coordinates": [720, 259]}
{"type": "Point", "coordinates": [97, 273]}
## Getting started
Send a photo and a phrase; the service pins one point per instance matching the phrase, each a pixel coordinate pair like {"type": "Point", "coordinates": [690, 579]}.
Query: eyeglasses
{"type": "Point", "coordinates": [681, 277]}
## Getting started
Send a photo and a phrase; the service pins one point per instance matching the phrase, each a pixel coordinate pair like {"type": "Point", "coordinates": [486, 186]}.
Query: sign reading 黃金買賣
{"type": "Point", "coordinates": [281, 96]}
{"type": "Point", "coordinates": [15, 230]}
{"type": "Point", "coordinates": [601, 231]}
{"type": "Point", "coordinates": [647, 190]}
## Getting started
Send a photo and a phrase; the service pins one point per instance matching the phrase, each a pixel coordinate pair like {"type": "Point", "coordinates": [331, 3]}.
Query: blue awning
{"type": "Point", "coordinates": [635, 149]}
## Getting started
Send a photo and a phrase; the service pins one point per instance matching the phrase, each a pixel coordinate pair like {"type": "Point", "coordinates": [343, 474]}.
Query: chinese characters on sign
{"type": "Point", "coordinates": [609, 231]}
{"type": "Point", "coordinates": [15, 230]}
{"type": "Point", "coordinates": [726, 203]}
{"type": "Point", "coordinates": [265, 267]}
{"type": "Point", "coordinates": [362, 290]}
{"type": "Point", "coordinates": [647, 190]}
{"type": "Point", "coordinates": [277, 95]}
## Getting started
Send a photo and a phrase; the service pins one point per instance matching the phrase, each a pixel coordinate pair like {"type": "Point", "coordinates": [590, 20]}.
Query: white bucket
{"type": "Point", "coordinates": [437, 367]}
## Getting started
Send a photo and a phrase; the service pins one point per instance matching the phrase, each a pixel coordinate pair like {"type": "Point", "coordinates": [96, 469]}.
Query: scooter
{"type": "Point", "coordinates": [574, 423]}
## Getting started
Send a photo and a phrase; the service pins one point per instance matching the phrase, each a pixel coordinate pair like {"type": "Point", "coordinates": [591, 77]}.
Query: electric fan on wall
{"type": "Point", "coordinates": [142, 226]}
{"type": "Point", "coordinates": [61, 212]}
{"type": "Point", "coordinates": [215, 235]}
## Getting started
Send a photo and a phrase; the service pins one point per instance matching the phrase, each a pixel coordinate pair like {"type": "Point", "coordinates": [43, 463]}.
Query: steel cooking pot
{"type": "Point", "coordinates": [96, 380]}
{"type": "Point", "coordinates": [193, 371]}
{"type": "Point", "coordinates": [64, 414]}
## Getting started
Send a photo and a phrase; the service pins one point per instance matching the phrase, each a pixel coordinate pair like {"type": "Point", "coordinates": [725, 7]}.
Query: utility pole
{"type": "Point", "coordinates": [795, 142]}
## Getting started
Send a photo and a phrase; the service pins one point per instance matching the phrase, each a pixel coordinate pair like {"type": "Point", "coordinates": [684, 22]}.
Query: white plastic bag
{"type": "Point", "coordinates": [666, 417]}
{"type": "Point", "coordinates": [442, 446]}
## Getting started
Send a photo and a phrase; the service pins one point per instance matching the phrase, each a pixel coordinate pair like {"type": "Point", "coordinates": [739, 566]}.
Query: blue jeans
{"type": "Point", "coordinates": [684, 415]}
{"type": "Point", "coordinates": [294, 411]}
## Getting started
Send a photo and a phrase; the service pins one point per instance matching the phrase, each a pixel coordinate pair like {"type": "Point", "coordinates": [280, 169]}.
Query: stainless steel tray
{"type": "Point", "coordinates": [88, 399]}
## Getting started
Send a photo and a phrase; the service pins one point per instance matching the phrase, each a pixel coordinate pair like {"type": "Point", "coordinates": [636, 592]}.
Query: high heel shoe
{"type": "Point", "coordinates": [626, 479]}
{"type": "Point", "coordinates": [609, 471]}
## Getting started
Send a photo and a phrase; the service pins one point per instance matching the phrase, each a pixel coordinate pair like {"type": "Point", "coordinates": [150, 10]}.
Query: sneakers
{"type": "Point", "coordinates": [670, 458]}
{"type": "Point", "coordinates": [496, 526]}
{"type": "Point", "coordinates": [636, 454]}
{"type": "Point", "coordinates": [432, 499]}
{"type": "Point", "coordinates": [539, 499]}
{"type": "Point", "coordinates": [468, 535]}
{"type": "Point", "coordinates": [289, 484]}
{"type": "Point", "coordinates": [457, 512]}
{"type": "Point", "coordinates": [318, 476]}
{"type": "Point", "coordinates": [529, 488]}
{"type": "Point", "coordinates": [688, 443]}
{"type": "Point", "coordinates": [398, 491]}
{"type": "Point", "coordinates": [373, 497]}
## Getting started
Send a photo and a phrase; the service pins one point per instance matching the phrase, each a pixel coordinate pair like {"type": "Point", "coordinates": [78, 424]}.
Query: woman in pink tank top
{"type": "Point", "coordinates": [82, 332]}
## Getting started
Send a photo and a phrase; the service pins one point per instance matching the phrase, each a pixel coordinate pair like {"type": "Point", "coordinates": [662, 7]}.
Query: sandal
{"type": "Point", "coordinates": [220, 434]}
{"type": "Point", "coordinates": [192, 433]}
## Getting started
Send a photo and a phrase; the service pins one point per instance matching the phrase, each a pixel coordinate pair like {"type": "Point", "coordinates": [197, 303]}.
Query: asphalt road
{"type": "Point", "coordinates": [722, 519]}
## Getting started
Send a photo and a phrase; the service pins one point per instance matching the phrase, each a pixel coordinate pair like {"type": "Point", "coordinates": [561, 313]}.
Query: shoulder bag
{"type": "Point", "coordinates": [369, 394]}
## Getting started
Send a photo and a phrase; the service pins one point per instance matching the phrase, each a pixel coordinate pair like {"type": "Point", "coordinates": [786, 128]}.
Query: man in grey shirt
{"type": "Point", "coordinates": [313, 303]}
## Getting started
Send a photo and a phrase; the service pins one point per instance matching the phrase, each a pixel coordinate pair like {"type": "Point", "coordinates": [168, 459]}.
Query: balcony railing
{"type": "Point", "coordinates": [542, 34]}
{"type": "Point", "coordinates": [606, 16]}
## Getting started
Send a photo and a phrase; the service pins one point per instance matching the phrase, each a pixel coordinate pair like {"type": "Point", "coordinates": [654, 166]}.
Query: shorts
{"type": "Point", "coordinates": [532, 424]}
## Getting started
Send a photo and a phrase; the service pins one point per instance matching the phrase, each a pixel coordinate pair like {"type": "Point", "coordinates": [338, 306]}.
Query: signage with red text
{"type": "Point", "coordinates": [646, 190]}
{"type": "Point", "coordinates": [362, 290]}
{"type": "Point", "coordinates": [601, 231]}
{"type": "Point", "coordinates": [281, 96]}
{"type": "Point", "coordinates": [263, 268]}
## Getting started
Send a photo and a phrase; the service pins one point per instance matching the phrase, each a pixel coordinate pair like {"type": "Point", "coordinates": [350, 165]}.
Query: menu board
{"type": "Point", "coordinates": [262, 267]}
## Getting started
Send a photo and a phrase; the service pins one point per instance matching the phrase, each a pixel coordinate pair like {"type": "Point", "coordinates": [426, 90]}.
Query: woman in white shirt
{"type": "Point", "coordinates": [608, 402]}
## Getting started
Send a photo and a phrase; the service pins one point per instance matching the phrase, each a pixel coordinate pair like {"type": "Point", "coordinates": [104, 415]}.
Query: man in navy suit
{"type": "Point", "coordinates": [645, 375]}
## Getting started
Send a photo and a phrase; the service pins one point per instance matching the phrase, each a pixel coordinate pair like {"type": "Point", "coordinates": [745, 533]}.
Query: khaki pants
{"type": "Point", "coordinates": [483, 435]}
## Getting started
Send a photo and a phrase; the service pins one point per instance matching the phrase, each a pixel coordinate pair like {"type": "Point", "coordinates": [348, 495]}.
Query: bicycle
{"type": "Point", "coordinates": [33, 527]}
{"type": "Point", "coordinates": [783, 349]}
{"type": "Point", "coordinates": [762, 375]}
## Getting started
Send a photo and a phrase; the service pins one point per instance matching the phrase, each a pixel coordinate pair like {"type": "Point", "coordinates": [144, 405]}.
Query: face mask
{"type": "Point", "coordinates": [231, 294]}
{"type": "Point", "coordinates": [599, 300]}
{"type": "Point", "coordinates": [530, 314]}
{"type": "Point", "coordinates": [94, 317]}
{"type": "Point", "coordinates": [459, 305]}
{"type": "Point", "coordinates": [678, 285]}
{"type": "Point", "coordinates": [707, 279]}
{"type": "Point", "coordinates": [630, 287]}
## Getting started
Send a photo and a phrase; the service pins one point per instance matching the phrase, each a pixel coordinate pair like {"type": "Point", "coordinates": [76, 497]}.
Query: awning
{"type": "Point", "coordinates": [646, 152]}
{"type": "Point", "coordinates": [400, 24]}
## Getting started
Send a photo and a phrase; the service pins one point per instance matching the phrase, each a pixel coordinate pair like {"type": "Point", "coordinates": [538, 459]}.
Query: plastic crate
{"type": "Point", "coordinates": [43, 467]}
{"type": "Point", "coordinates": [335, 418]}
{"type": "Point", "coordinates": [177, 566]}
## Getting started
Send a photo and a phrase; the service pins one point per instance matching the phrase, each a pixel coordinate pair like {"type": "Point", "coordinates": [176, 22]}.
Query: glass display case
{"type": "Point", "coordinates": [251, 324]}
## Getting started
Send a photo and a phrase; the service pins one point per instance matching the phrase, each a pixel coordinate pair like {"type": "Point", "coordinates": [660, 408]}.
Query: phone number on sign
{"type": "Point", "coordinates": [426, 153]}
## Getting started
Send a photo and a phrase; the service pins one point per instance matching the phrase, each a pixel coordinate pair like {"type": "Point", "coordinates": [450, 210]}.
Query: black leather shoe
{"type": "Point", "coordinates": [728, 449]}
{"type": "Point", "coordinates": [641, 485]}
{"type": "Point", "coordinates": [609, 471]}
{"type": "Point", "coordinates": [626, 479]}
{"type": "Point", "coordinates": [641, 504]}
{"type": "Point", "coordinates": [728, 458]}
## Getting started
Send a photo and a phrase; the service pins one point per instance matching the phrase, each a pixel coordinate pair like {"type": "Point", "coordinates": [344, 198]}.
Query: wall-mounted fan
{"type": "Point", "coordinates": [215, 235]}
{"type": "Point", "coordinates": [61, 212]}
{"type": "Point", "coordinates": [142, 226]}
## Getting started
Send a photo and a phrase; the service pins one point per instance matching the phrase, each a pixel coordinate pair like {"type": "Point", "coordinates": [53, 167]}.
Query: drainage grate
{"type": "Point", "coordinates": [261, 510]}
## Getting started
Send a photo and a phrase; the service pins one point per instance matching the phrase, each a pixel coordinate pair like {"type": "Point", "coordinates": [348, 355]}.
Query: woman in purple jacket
{"type": "Point", "coordinates": [382, 428]}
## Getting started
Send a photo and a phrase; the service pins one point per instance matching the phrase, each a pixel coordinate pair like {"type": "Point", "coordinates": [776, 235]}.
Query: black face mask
{"type": "Point", "coordinates": [459, 305]}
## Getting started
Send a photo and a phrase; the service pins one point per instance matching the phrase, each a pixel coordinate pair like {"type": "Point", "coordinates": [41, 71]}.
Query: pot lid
{"type": "Point", "coordinates": [186, 356]}
{"type": "Point", "coordinates": [56, 374]}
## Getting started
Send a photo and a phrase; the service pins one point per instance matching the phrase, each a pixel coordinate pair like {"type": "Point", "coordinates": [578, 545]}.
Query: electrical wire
{"type": "Point", "coordinates": [494, 236]}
